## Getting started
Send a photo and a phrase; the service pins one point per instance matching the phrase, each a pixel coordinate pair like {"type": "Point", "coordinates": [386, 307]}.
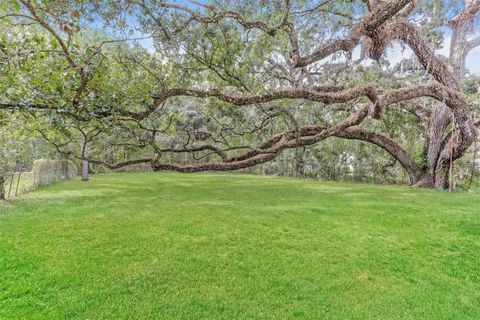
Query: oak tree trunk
{"type": "Point", "coordinates": [441, 143]}
{"type": "Point", "coordinates": [86, 154]}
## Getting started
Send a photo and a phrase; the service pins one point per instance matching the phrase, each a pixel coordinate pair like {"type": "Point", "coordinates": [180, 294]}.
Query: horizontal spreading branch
{"type": "Point", "coordinates": [374, 93]}
{"type": "Point", "coordinates": [215, 17]}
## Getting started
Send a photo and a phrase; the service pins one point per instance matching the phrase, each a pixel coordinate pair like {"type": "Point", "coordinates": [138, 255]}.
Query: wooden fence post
{"type": "Point", "coordinates": [18, 182]}
{"type": "Point", "coordinates": [10, 187]}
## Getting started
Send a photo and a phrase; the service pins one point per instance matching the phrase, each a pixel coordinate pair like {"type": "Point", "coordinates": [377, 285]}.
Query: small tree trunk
{"type": "Point", "coordinates": [86, 154]}
{"type": "Point", "coordinates": [2, 188]}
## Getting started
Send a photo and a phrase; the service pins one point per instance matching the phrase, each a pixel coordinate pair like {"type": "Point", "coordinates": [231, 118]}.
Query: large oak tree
{"type": "Point", "coordinates": [247, 66]}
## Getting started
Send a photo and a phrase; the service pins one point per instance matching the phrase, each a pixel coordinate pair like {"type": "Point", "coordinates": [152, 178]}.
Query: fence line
{"type": "Point", "coordinates": [22, 182]}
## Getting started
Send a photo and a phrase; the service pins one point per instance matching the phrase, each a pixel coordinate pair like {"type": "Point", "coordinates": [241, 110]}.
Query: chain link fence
{"type": "Point", "coordinates": [44, 172]}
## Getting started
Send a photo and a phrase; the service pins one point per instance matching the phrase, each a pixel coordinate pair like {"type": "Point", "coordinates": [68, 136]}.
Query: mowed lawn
{"type": "Point", "coordinates": [229, 246]}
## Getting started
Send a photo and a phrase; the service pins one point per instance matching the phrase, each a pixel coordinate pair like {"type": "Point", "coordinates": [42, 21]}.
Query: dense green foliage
{"type": "Point", "coordinates": [18, 147]}
{"type": "Point", "coordinates": [88, 74]}
{"type": "Point", "coordinates": [218, 246]}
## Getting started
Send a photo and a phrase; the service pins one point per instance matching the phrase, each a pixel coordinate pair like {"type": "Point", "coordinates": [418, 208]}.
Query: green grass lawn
{"type": "Point", "coordinates": [225, 246]}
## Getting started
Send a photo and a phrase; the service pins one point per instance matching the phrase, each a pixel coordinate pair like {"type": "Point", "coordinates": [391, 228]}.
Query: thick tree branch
{"type": "Point", "coordinates": [415, 173]}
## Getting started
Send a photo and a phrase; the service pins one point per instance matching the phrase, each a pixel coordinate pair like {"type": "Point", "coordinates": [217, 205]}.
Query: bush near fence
{"type": "Point", "coordinates": [44, 172]}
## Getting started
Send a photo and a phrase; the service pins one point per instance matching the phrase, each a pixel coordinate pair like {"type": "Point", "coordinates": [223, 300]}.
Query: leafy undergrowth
{"type": "Point", "coordinates": [225, 246]}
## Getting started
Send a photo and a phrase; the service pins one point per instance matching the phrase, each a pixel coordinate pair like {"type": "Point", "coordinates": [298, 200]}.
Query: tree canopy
{"type": "Point", "coordinates": [226, 85]}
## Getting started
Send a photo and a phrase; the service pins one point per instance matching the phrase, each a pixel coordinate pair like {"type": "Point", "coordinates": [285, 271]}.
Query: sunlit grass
{"type": "Point", "coordinates": [224, 246]}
